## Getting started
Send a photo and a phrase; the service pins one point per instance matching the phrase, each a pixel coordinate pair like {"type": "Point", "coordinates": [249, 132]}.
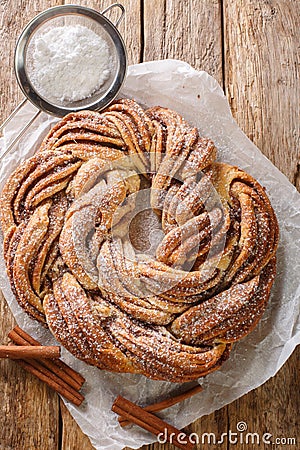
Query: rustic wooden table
{"type": "Point", "coordinates": [250, 47]}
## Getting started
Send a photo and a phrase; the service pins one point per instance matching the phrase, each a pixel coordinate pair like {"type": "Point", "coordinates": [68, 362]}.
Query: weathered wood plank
{"type": "Point", "coordinates": [262, 76]}
{"type": "Point", "coordinates": [184, 29]}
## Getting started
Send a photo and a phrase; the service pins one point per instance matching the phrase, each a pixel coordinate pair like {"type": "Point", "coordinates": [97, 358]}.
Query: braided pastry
{"type": "Point", "coordinates": [68, 212]}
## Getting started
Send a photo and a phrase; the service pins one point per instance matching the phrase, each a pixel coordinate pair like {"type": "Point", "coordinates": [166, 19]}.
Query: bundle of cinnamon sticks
{"type": "Point", "coordinates": [131, 413]}
{"type": "Point", "coordinates": [44, 363]}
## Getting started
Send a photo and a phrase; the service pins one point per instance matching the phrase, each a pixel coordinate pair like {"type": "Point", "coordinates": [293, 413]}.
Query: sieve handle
{"type": "Point", "coordinates": [21, 133]}
{"type": "Point", "coordinates": [11, 116]}
{"type": "Point", "coordinates": [115, 5]}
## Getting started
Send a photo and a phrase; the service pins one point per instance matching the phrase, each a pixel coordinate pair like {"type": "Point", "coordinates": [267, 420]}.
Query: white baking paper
{"type": "Point", "coordinates": [200, 100]}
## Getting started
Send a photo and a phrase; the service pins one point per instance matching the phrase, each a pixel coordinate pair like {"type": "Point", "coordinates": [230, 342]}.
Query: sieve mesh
{"type": "Point", "coordinates": [71, 20]}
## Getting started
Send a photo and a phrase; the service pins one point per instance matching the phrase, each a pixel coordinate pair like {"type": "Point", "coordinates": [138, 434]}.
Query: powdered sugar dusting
{"type": "Point", "coordinates": [69, 63]}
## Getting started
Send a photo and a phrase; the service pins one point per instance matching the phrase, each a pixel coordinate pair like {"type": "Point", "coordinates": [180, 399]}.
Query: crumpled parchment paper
{"type": "Point", "coordinates": [200, 100]}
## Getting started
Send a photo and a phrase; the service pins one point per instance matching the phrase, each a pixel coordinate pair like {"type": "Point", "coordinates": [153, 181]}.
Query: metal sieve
{"type": "Point", "coordinates": [65, 15]}
{"type": "Point", "coordinates": [62, 16]}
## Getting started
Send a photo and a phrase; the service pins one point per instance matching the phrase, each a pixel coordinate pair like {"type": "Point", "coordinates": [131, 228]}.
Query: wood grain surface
{"type": "Point", "coordinates": [252, 49]}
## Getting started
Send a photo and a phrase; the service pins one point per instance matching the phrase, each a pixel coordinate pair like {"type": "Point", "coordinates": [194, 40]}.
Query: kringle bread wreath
{"type": "Point", "coordinates": [171, 315]}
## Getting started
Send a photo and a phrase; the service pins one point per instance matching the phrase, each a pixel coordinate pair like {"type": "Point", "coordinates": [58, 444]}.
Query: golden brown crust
{"type": "Point", "coordinates": [170, 316]}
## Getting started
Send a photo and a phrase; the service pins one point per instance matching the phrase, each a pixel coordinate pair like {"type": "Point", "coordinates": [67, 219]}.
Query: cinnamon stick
{"type": "Point", "coordinates": [18, 332]}
{"type": "Point", "coordinates": [155, 407]}
{"type": "Point", "coordinates": [37, 365]}
{"type": "Point", "coordinates": [51, 382]}
{"type": "Point", "coordinates": [55, 373]}
{"type": "Point", "coordinates": [151, 423]}
{"type": "Point", "coordinates": [38, 352]}
{"type": "Point", "coordinates": [66, 373]}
